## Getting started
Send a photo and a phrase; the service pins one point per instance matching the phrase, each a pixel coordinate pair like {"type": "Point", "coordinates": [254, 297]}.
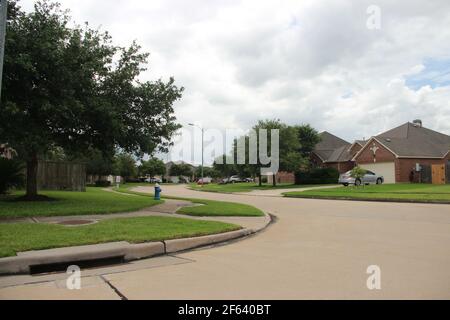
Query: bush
{"type": "Point", "coordinates": [102, 183]}
{"type": "Point", "coordinates": [317, 176]}
{"type": "Point", "coordinates": [11, 174]}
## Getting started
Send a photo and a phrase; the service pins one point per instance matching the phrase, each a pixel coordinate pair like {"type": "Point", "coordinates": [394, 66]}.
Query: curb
{"type": "Point", "coordinates": [25, 262]}
{"type": "Point", "coordinates": [176, 245]}
{"type": "Point", "coordinates": [368, 199]}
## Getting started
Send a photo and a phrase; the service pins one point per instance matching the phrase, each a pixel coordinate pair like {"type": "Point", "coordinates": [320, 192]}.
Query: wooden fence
{"type": "Point", "coordinates": [448, 171]}
{"type": "Point", "coordinates": [57, 175]}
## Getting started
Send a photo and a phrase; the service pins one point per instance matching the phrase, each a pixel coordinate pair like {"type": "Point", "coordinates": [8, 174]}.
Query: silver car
{"type": "Point", "coordinates": [232, 179]}
{"type": "Point", "coordinates": [368, 178]}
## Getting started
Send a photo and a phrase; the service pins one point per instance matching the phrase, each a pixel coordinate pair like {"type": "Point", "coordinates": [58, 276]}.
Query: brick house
{"type": "Point", "coordinates": [335, 152]}
{"type": "Point", "coordinates": [331, 151]}
{"type": "Point", "coordinates": [408, 153]}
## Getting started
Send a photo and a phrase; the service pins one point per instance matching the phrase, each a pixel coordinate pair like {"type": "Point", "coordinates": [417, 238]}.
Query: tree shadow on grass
{"type": "Point", "coordinates": [37, 198]}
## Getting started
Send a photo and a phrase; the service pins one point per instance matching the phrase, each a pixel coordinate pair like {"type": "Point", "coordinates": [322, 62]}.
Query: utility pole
{"type": "Point", "coordinates": [3, 11]}
{"type": "Point", "coordinates": [203, 142]}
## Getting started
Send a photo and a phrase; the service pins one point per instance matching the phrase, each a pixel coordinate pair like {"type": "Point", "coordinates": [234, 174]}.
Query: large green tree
{"type": "Point", "coordinates": [70, 87]}
{"type": "Point", "coordinates": [295, 146]}
{"type": "Point", "coordinates": [222, 168]}
{"type": "Point", "coordinates": [182, 169]}
{"type": "Point", "coordinates": [152, 167]}
{"type": "Point", "coordinates": [125, 166]}
{"type": "Point", "coordinates": [308, 138]}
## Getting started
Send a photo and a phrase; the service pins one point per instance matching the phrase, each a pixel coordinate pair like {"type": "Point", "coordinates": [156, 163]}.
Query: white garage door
{"type": "Point", "coordinates": [386, 169]}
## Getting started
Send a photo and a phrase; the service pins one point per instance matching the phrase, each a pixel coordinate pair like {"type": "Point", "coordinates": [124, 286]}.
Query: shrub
{"type": "Point", "coordinates": [102, 183]}
{"type": "Point", "coordinates": [317, 176]}
{"type": "Point", "coordinates": [358, 173]}
{"type": "Point", "coordinates": [11, 174]}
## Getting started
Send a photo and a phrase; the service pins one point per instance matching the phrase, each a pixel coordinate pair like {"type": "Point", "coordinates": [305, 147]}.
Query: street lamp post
{"type": "Point", "coordinates": [201, 128]}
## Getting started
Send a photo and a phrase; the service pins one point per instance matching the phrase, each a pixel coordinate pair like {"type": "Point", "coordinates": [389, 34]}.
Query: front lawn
{"type": "Point", "coordinates": [63, 203]}
{"type": "Point", "coordinates": [17, 237]}
{"type": "Point", "coordinates": [400, 192]}
{"type": "Point", "coordinates": [244, 187]}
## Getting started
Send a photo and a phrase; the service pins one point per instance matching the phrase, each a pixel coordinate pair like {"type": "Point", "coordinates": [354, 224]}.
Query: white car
{"type": "Point", "coordinates": [153, 180]}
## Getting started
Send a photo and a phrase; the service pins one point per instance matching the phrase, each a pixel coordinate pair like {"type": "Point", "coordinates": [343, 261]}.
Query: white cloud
{"type": "Point", "coordinates": [300, 61]}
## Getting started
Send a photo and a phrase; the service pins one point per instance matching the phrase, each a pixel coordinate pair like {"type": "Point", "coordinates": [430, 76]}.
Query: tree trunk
{"type": "Point", "coordinates": [274, 180]}
{"type": "Point", "coordinates": [32, 168]}
{"type": "Point", "coordinates": [259, 179]}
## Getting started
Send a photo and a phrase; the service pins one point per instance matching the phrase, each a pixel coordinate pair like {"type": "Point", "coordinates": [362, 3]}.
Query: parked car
{"type": "Point", "coordinates": [205, 180]}
{"type": "Point", "coordinates": [369, 178]}
{"type": "Point", "coordinates": [232, 179]}
{"type": "Point", "coordinates": [153, 180]}
{"type": "Point", "coordinates": [249, 180]}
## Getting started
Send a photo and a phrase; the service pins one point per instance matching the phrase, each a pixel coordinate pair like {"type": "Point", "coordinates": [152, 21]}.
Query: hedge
{"type": "Point", "coordinates": [317, 176]}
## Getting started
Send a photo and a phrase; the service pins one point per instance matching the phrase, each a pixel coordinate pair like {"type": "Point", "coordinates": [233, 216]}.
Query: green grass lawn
{"type": "Point", "coordinates": [63, 203]}
{"type": "Point", "coordinates": [207, 208]}
{"type": "Point", "coordinates": [220, 208]}
{"type": "Point", "coordinates": [16, 237]}
{"type": "Point", "coordinates": [243, 187]}
{"type": "Point", "coordinates": [400, 192]}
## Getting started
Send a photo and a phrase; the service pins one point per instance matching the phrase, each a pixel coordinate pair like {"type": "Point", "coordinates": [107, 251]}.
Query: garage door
{"type": "Point", "coordinates": [386, 169]}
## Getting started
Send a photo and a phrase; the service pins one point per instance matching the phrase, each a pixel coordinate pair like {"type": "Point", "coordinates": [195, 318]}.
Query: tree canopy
{"type": "Point", "coordinates": [125, 166]}
{"type": "Point", "coordinates": [71, 87]}
{"type": "Point", "coordinates": [295, 146]}
{"type": "Point", "coordinates": [182, 169]}
{"type": "Point", "coordinates": [152, 167]}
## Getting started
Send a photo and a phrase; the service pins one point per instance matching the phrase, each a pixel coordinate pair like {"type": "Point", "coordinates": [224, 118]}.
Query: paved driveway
{"type": "Point", "coordinates": [316, 249]}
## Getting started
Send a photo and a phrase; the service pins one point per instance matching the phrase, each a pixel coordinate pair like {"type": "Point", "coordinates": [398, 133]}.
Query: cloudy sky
{"type": "Point", "coordinates": [300, 61]}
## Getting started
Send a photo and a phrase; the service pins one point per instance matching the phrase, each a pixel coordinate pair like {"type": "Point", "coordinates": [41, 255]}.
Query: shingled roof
{"type": "Point", "coordinates": [414, 141]}
{"type": "Point", "coordinates": [332, 148]}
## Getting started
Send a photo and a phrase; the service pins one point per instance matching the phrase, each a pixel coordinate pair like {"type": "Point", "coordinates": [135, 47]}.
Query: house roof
{"type": "Point", "coordinates": [171, 163]}
{"type": "Point", "coordinates": [362, 143]}
{"type": "Point", "coordinates": [410, 140]}
{"type": "Point", "coordinates": [332, 148]}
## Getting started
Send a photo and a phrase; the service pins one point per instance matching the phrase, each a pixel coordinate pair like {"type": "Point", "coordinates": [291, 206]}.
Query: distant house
{"type": "Point", "coordinates": [176, 179]}
{"type": "Point", "coordinates": [335, 152]}
{"type": "Point", "coordinates": [408, 153]}
{"type": "Point", "coordinates": [331, 151]}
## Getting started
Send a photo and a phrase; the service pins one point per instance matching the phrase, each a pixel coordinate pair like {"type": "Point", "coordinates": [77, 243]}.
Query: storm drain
{"type": "Point", "coordinates": [83, 264]}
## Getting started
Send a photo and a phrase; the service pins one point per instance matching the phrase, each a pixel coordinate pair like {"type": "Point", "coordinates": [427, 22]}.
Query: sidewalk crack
{"type": "Point", "coordinates": [120, 294]}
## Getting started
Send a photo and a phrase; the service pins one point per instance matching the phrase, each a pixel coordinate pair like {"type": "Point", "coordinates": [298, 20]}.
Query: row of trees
{"type": "Point", "coordinates": [68, 87]}
{"type": "Point", "coordinates": [295, 146]}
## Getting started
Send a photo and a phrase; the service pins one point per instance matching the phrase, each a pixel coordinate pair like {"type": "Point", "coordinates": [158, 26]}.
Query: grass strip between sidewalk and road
{"type": "Point", "coordinates": [423, 193]}
{"type": "Point", "coordinates": [17, 237]}
{"type": "Point", "coordinates": [244, 187]}
{"type": "Point", "coordinates": [206, 207]}
{"type": "Point", "coordinates": [219, 208]}
{"type": "Point", "coordinates": [64, 203]}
